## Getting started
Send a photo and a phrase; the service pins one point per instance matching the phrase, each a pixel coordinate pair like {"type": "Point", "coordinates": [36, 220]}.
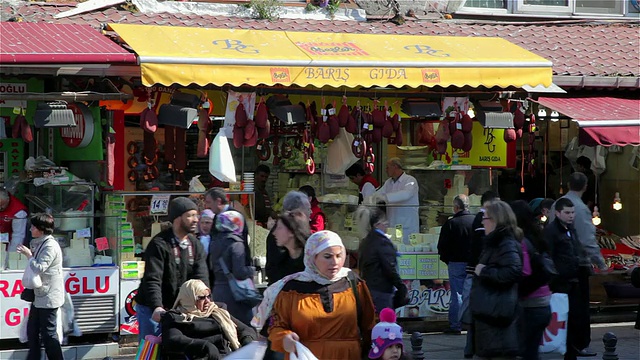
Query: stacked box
{"type": "Point", "coordinates": [132, 269]}
{"type": "Point", "coordinates": [78, 253]}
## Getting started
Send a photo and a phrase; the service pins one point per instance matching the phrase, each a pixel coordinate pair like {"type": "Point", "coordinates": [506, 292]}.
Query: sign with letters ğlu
{"type": "Point", "coordinates": [77, 282]}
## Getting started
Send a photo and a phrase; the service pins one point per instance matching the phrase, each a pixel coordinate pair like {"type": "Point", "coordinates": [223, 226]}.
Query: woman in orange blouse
{"type": "Point", "coordinates": [318, 306]}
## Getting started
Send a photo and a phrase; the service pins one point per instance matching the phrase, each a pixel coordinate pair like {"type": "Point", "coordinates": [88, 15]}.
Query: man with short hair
{"type": "Point", "coordinates": [583, 165]}
{"type": "Point", "coordinates": [401, 194]}
{"type": "Point", "coordinates": [586, 235]}
{"type": "Point", "coordinates": [566, 252]}
{"type": "Point", "coordinates": [367, 184]}
{"type": "Point", "coordinates": [172, 257]}
{"type": "Point", "coordinates": [13, 221]}
{"type": "Point", "coordinates": [454, 248]}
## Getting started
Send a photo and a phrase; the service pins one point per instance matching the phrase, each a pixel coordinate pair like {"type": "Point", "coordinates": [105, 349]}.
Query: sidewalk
{"type": "Point", "coordinates": [438, 346]}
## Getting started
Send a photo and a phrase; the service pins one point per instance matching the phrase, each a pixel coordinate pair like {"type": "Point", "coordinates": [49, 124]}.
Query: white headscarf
{"type": "Point", "coordinates": [316, 243]}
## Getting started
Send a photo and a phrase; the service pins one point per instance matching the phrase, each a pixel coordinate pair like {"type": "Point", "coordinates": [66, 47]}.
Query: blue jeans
{"type": "Point", "coordinates": [146, 326]}
{"type": "Point", "coordinates": [457, 274]}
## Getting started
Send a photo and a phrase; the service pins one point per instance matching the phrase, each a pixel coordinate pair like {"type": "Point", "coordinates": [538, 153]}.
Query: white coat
{"type": "Point", "coordinates": [402, 203]}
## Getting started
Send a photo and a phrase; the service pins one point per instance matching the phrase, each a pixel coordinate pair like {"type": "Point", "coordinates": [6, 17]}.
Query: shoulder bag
{"type": "Point", "coordinates": [242, 290]}
{"type": "Point", "coordinates": [494, 306]}
{"type": "Point", "coordinates": [30, 280]}
{"type": "Point", "coordinates": [353, 281]}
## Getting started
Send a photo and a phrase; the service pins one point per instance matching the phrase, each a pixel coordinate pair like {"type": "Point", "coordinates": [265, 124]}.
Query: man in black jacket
{"type": "Point", "coordinates": [454, 247]}
{"type": "Point", "coordinates": [172, 257]}
{"type": "Point", "coordinates": [566, 252]}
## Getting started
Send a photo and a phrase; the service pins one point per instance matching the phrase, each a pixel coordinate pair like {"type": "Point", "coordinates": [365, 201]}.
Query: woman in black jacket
{"type": "Point", "coordinates": [199, 328]}
{"type": "Point", "coordinates": [377, 258]}
{"type": "Point", "coordinates": [230, 245]}
{"type": "Point", "coordinates": [499, 270]}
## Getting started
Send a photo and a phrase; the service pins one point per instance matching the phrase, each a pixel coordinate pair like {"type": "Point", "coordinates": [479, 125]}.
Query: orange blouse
{"type": "Point", "coordinates": [324, 317]}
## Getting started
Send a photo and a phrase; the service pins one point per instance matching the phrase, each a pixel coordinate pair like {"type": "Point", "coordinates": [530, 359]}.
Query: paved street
{"type": "Point", "coordinates": [438, 346]}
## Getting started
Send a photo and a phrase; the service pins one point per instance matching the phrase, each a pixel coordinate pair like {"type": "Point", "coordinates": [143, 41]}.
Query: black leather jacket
{"type": "Point", "coordinates": [377, 263]}
{"type": "Point", "coordinates": [565, 249]}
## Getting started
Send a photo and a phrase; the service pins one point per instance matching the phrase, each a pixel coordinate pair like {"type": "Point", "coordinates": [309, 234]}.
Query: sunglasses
{"type": "Point", "coordinates": [203, 297]}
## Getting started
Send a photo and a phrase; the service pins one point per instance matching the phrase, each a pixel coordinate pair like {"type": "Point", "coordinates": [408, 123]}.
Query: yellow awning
{"type": "Point", "coordinates": [185, 55]}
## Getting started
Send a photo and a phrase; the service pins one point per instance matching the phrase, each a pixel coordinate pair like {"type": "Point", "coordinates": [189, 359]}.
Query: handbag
{"type": "Point", "coordinates": [494, 306]}
{"type": "Point", "coordinates": [30, 280]}
{"type": "Point", "coordinates": [242, 290]}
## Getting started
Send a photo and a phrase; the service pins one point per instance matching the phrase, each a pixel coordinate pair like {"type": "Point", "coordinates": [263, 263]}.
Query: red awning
{"type": "Point", "coordinates": [41, 43]}
{"type": "Point", "coordinates": [602, 120]}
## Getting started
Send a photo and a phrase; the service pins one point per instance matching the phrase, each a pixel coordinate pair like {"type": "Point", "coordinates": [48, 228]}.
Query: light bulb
{"type": "Point", "coordinates": [543, 218]}
{"type": "Point", "coordinates": [471, 113]}
{"type": "Point", "coordinates": [596, 217]}
{"type": "Point", "coordinates": [555, 116]}
{"type": "Point", "coordinates": [617, 202]}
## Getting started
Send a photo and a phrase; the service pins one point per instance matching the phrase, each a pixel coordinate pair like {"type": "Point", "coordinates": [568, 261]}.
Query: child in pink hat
{"type": "Point", "coordinates": [386, 338]}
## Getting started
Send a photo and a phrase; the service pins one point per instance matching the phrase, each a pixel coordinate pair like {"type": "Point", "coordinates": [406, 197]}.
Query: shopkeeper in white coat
{"type": "Point", "coordinates": [400, 193]}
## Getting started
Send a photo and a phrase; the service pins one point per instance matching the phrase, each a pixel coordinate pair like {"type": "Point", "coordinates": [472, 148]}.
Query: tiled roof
{"type": "Point", "coordinates": [576, 49]}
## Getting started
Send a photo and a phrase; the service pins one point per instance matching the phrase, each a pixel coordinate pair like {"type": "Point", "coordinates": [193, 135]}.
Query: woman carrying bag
{"type": "Point", "coordinates": [47, 264]}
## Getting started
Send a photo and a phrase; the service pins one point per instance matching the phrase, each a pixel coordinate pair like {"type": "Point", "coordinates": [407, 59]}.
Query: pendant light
{"type": "Point", "coordinates": [596, 217]}
{"type": "Point", "coordinates": [617, 202]}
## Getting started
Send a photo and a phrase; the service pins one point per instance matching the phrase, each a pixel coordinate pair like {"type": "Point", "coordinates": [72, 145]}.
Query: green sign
{"type": "Point", "coordinates": [427, 267]}
{"type": "Point", "coordinates": [443, 270]}
{"type": "Point", "coordinates": [12, 86]}
{"type": "Point", "coordinates": [89, 129]}
{"type": "Point", "coordinates": [407, 267]}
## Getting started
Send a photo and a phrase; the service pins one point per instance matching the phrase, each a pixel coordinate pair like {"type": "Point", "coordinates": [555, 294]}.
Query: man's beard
{"type": "Point", "coordinates": [188, 229]}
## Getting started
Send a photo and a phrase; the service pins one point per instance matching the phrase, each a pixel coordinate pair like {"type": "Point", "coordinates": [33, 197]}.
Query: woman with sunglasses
{"type": "Point", "coordinates": [498, 272]}
{"type": "Point", "coordinates": [198, 328]}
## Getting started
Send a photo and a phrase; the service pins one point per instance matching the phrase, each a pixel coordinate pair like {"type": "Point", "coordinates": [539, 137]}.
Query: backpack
{"type": "Point", "coordinates": [543, 270]}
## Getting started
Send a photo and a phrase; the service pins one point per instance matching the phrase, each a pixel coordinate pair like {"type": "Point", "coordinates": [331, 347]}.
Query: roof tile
{"type": "Point", "coordinates": [592, 49]}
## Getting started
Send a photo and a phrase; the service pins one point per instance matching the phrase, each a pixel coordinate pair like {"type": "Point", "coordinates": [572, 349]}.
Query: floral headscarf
{"type": "Point", "coordinates": [316, 243]}
{"type": "Point", "coordinates": [230, 221]}
{"type": "Point", "coordinates": [186, 305]}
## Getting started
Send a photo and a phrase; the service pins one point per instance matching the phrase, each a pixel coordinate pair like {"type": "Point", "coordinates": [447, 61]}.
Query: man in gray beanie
{"type": "Point", "coordinates": [172, 257]}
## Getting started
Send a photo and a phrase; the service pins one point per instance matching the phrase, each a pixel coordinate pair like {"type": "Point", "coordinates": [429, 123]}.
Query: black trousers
{"type": "Point", "coordinates": [579, 327]}
{"type": "Point", "coordinates": [583, 337]}
{"type": "Point", "coordinates": [41, 326]}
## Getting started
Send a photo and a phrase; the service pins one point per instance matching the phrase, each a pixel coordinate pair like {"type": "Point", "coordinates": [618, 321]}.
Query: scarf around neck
{"type": "Point", "coordinates": [316, 243]}
{"type": "Point", "coordinates": [186, 305]}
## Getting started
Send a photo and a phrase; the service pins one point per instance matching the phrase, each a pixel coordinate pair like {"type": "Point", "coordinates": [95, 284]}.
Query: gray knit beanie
{"type": "Point", "coordinates": [179, 206]}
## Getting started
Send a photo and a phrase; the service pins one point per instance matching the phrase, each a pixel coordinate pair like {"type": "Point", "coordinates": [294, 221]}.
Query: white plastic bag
{"type": "Point", "coordinates": [253, 351]}
{"type": "Point", "coordinates": [31, 280]}
{"type": "Point", "coordinates": [220, 160]}
{"type": "Point", "coordinates": [554, 338]}
{"type": "Point", "coordinates": [23, 328]}
{"type": "Point", "coordinates": [195, 185]}
{"type": "Point", "coordinates": [302, 353]}
{"type": "Point", "coordinates": [339, 154]}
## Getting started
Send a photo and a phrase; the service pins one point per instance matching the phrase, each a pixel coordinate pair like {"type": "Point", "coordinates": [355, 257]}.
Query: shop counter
{"type": "Point", "coordinates": [94, 292]}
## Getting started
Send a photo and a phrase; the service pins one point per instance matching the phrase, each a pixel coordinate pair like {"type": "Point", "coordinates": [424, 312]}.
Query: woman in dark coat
{"type": "Point", "coordinates": [200, 329]}
{"type": "Point", "coordinates": [229, 245]}
{"type": "Point", "coordinates": [499, 269]}
{"type": "Point", "coordinates": [377, 258]}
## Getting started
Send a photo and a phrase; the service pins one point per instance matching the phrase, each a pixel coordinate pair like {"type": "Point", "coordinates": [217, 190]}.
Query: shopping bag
{"type": "Point", "coordinates": [220, 160]}
{"type": "Point", "coordinates": [23, 328]}
{"type": "Point", "coordinates": [253, 351]}
{"type": "Point", "coordinates": [554, 338]}
{"type": "Point", "coordinates": [149, 348]}
{"type": "Point", "coordinates": [302, 353]}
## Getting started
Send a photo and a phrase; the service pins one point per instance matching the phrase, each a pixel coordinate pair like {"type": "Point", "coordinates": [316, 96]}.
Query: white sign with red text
{"type": "Point", "coordinates": [78, 282]}
{"type": "Point", "coordinates": [128, 319]}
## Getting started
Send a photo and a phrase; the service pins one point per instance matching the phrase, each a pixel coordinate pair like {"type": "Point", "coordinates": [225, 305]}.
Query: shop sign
{"type": "Point", "coordinates": [427, 299]}
{"type": "Point", "coordinates": [14, 155]}
{"type": "Point", "coordinates": [128, 319]}
{"type": "Point", "coordinates": [78, 136]}
{"type": "Point", "coordinates": [489, 149]}
{"type": "Point", "coordinates": [12, 88]}
{"type": "Point", "coordinates": [407, 267]}
{"type": "Point", "coordinates": [78, 282]}
{"type": "Point", "coordinates": [427, 266]}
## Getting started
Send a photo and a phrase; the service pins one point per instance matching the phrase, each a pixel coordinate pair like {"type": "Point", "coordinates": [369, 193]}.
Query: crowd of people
{"type": "Point", "coordinates": [499, 292]}
{"type": "Point", "coordinates": [504, 298]}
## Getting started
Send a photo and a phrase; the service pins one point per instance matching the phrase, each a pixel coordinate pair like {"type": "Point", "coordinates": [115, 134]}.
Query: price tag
{"type": "Point", "coordinates": [159, 204]}
{"type": "Point", "coordinates": [83, 233]}
{"type": "Point", "coordinates": [370, 127]}
{"type": "Point", "coordinates": [102, 244]}
{"type": "Point", "coordinates": [356, 143]}
{"type": "Point", "coordinates": [4, 237]}
{"type": "Point", "coordinates": [323, 112]}
{"type": "Point", "coordinates": [365, 126]}
{"type": "Point", "coordinates": [332, 111]}
{"type": "Point", "coordinates": [17, 110]}
{"type": "Point", "coordinates": [458, 126]}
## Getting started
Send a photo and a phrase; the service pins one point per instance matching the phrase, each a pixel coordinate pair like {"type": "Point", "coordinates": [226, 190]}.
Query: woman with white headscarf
{"type": "Point", "coordinates": [318, 306]}
{"type": "Point", "coordinates": [200, 329]}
